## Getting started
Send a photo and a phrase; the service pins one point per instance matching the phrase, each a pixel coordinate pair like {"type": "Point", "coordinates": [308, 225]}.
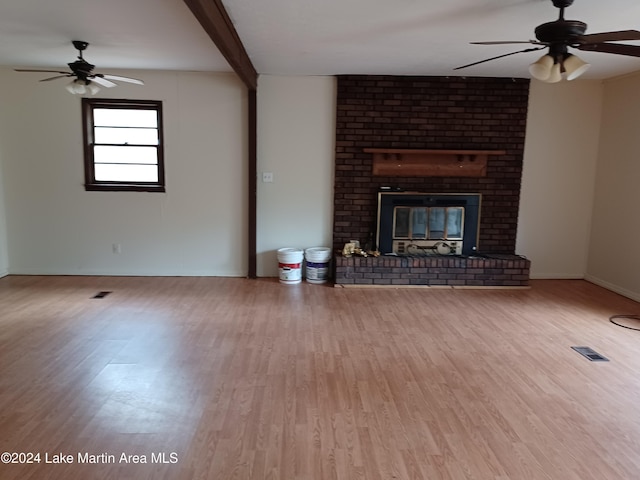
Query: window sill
{"type": "Point", "coordinates": [118, 187]}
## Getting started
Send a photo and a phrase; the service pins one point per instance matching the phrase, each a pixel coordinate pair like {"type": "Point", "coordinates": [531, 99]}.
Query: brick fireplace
{"type": "Point", "coordinates": [430, 114]}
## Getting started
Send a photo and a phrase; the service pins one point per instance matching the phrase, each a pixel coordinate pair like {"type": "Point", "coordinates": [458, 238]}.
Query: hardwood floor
{"type": "Point", "coordinates": [227, 378]}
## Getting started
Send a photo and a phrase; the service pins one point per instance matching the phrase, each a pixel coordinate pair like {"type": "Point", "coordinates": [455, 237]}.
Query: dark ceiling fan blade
{"type": "Point", "coordinates": [56, 77]}
{"type": "Point", "coordinates": [621, 35]}
{"type": "Point", "coordinates": [506, 42]}
{"type": "Point", "coordinates": [499, 56]}
{"type": "Point", "coordinates": [615, 48]}
{"type": "Point", "coordinates": [42, 71]}
{"type": "Point", "coordinates": [101, 81]}
{"type": "Point", "coordinates": [121, 79]}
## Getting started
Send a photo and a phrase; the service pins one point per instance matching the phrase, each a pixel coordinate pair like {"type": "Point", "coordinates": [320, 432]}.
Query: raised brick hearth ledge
{"type": "Point", "coordinates": [480, 271]}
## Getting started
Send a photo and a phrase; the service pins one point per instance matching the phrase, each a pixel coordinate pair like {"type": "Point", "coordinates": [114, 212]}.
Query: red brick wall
{"type": "Point", "coordinates": [430, 113]}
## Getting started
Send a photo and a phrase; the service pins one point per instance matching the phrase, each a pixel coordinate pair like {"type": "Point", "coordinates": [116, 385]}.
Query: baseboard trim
{"type": "Point", "coordinates": [613, 287]}
{"type": "Point", "coordinates": [120, 273]}
{"type": "Point", "coordinates": [556, 276]}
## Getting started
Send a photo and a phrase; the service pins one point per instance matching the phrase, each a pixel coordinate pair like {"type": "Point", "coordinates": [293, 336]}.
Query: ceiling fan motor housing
{"type": "Point", "coordinates": [81, 68]}
{"type": "Point", "coordinates": [561, 31]}
{"type": "Point", "coordinates": [562, 3]}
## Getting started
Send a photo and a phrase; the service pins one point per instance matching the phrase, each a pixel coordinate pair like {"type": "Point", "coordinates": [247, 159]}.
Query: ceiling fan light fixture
{"type": "Point", "coordinates": [556, 74]}
{"type": "Point", "coordinates": [542, 68]}
{"type": "Point", "coordinates": [574, 66]}
{"type": "Point", "coordinates": [81, 87]}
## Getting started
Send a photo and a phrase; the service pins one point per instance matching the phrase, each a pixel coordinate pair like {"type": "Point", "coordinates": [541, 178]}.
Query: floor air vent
{"type": "Point", "coordinates": [101, 294]}
{"type": "Point", "coordinates": [590, 354]}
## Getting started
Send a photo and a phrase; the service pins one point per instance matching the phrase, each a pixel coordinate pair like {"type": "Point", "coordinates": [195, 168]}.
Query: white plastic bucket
{"type": "Point", "coordinates": [290, 265]}
{"type": "Point", "coordinates": [318, 259]}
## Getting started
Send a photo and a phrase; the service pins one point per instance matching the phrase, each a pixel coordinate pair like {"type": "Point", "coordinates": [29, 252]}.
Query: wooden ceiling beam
{"type": "Point", "coordinates": [216, 22]}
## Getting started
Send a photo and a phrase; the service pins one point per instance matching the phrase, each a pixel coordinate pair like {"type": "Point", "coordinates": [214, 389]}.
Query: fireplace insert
{"type": "Point", "coordinates": [415, 223]}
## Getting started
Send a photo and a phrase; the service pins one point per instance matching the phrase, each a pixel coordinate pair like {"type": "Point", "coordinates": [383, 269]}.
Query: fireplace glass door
{"type": "Point", "coordinates": [431, 223]}
{"type": "Point", "coordinates": [427, 224]}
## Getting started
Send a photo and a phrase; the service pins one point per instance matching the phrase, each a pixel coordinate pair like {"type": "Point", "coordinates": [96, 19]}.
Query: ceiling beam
{"type": "Point", "coordinates": [216, 22]}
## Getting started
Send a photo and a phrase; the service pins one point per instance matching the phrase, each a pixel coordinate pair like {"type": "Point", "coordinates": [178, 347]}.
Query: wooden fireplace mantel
{"type": "Point", "coordinates": [430, 163]}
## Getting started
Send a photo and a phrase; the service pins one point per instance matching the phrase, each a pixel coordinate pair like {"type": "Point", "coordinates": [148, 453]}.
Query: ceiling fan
{"type": "Point", "coordinates": [558, 36]}
{"type": "Point", "coordinates": [86, 80]}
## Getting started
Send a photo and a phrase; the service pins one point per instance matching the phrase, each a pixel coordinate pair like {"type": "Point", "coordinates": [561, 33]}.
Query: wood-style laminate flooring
{"type": "Point", "coordinates": [228, 378]}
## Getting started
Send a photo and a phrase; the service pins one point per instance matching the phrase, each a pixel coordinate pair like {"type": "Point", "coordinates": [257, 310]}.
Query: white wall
{"type": "Point", "coordinates": [296, 138]}
{"type": "Point", "coordinates": [558, 178]}
{"type": "Point", "coordinates": [4, 258]}
{"type": "Point", "coordinates": [614, 257]}
{"type": "Point", "coordinates": [198, 227]}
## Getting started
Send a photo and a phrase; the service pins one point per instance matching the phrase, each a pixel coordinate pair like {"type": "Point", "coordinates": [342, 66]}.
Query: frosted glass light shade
{"type": "Point", "coordinates": [93, 88]}
{"type": "Point", "coordinates": [574, 67]}
{"type": "Point", "coordinates": [80, 87]}
{"type": "Point", "coordinates": [556, 74]}
{"type": "Point", "coordinates": [74, 87]}
{"type": "Point", "coordinates": [542, 68]}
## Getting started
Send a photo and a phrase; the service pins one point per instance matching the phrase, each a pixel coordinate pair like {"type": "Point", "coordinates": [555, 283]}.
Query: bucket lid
{"type": "Point", "coordinates": [289, 250]}
{"type": "Point", "coordinates": [318, 250]}
{"type": "Point", "coordinates": [290, 255]}
{"type": "Point", "coordinates": [319, 254]}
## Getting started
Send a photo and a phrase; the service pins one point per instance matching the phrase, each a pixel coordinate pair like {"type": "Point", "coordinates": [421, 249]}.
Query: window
{"type": "Point", "coordinates": [123, 148]}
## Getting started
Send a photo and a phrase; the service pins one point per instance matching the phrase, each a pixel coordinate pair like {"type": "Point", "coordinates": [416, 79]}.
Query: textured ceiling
{"type": "Point", "coordinates": [305, 37]}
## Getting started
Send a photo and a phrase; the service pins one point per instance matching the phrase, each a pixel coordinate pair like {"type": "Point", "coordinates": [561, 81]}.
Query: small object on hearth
{"type": "Point", "coordinates": [349, 249]}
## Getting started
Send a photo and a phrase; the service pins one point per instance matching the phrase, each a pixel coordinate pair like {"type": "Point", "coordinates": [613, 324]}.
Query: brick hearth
{"type": "Point", "coordinates": [494, 270]}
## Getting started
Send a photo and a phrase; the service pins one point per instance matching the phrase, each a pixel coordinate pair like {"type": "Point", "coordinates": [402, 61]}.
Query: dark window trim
{"type": "Point", "coordinates": [90, 183]}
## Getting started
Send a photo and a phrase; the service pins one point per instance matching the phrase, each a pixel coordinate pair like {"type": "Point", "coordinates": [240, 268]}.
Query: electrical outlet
{"type": "Point", "coordinates": [267, 177]}
{"type": "Point", "coordinates": [117, 248]}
